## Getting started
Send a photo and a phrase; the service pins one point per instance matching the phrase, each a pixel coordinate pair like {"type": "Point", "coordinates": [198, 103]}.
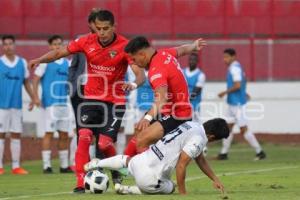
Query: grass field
{"type": "Point", "coordinates": [278, 177]}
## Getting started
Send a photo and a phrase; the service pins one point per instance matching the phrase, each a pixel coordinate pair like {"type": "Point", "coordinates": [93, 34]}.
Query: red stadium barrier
{"type": "Point", "coordinates": [155, 18]}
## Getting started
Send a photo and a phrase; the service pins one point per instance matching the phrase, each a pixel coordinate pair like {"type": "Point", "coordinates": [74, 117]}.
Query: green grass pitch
{"type": "Point", "coordinates": [278, 177]}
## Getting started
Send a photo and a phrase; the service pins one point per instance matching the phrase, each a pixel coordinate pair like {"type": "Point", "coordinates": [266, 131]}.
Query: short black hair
{"type": "Point", "coordinates": [136, 44]}
{"type": "Point", "coordinates": [217, 127]}
{"type": "Point", "coordinates": [104, 15]}
{"type": "Point", "coordinates": [92, 15]}
{"type": "Point", "coordinates": [54, 37]}
{"type": "Point", "coordinates": [11, 37]}
{"type": "Point", "coordinates": [230, 51]}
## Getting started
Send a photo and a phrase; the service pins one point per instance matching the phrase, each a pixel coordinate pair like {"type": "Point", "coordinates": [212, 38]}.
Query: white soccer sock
{"type": "Point", "coordinates": [114, 163]}
{"type": "Point", "coordinates": [63, 157]}
{"type": "Point", "coordinates": [73, 147]}
{"type": "Point", "coordinates": [226, 144]}
{"type": "Point", "coordinates": [251, 139]}
{"type": "Point", "coordinates": [92, 151]}
{"type": "Point", "coordinates": [15, 148]}
{"type": "Point", "coordinates": [2, 144]}
{"type": "Point", "coordinates": [46, 156]}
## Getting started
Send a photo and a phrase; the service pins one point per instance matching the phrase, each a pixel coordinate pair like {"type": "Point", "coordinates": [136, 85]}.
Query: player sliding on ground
{"type": "Point", "coordinates": [152, 168]}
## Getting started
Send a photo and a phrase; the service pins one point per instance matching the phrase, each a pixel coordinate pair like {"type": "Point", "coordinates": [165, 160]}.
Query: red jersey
{"type": "Point", "coordinates": [164, 70]}
{"type": "Point", "coordinates": [106, 67]}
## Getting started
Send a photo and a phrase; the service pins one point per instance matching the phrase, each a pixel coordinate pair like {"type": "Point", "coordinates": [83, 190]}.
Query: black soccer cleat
{"type": "Point", "coordinates": [65, 170]}
{"type": "Point", "coordinates": [222, 156]}
{"type": "Point", "coordinates": [79, 190]}
{"type": "Point", "coordinates": [48, 170]}
{"type": "Point", "coordinates": [116, 177]}
{"type": "Point", "coordinates": [260, 156]}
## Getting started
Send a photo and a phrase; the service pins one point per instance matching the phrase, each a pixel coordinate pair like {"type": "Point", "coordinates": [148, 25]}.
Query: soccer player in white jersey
{"type": "Point", "coordinates": [13, 74]}
{"type": "Point", "coordinates": [152, 169]}
{"type": "Point", "coordinates": [236, 99]}
{"type": "Point", "coordinates": [53, 77]}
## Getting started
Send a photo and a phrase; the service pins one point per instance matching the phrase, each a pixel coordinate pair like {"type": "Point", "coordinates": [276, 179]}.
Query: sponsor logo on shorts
{"type": "Point", "coordinates": [84, 118]}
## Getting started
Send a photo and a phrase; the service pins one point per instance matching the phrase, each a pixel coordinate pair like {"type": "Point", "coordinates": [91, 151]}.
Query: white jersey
{"type": "Point", "coordinates": [162, 157]}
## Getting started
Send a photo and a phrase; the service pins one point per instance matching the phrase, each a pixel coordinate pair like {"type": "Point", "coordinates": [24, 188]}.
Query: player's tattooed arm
{"type": "Point", "coordinates": [159, 101]}
{"type": "Point", "coordinates": [186, 49]}
{"type": "Point", "coordinates": [206, 169]}
{"type": "Point", "coordinates": [181, 166]}
{"type": "Point", "coordinates": [49, 57]}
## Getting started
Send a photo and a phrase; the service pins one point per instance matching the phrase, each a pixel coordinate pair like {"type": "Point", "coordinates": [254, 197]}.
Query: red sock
{"type": "Point", "coordinates": [131, 147]}
{"type": "Point", "coordinates": [106, 145]}
{"type": "Point", "coordinates": [82, 154]}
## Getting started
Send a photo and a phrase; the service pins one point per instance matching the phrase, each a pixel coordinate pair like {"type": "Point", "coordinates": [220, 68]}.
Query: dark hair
{"type": "Point", "coordinates": [230, 51]}
{"type": "Point", "coordinates": [11, 37]}
{"type": "Point", "coordinates": [137, 44]}
{"type": "Point", "coordinates": [104, 15]}
{"type": "Point", "coordinates": [217, 127]}
{"type": "Point", "coordinates": [194, 54]}
{"type": "Point", "coordinates": [92, 15]}
{"type": "Point", "coordinates": [54, 37]}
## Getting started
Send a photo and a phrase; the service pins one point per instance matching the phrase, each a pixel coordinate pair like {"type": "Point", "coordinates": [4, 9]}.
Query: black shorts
{"type": "Point", "coordinates": [101, 117]}
{"type": "Point", "coordinates": [169, 123]}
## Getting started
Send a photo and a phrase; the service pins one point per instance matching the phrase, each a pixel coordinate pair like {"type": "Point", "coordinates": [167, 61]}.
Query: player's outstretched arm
{"type": "Point", "coordinates": [49, 57]}
{"type": "Point", "coordinates": [186, 49]}
{"type": "Point", "coordinates": [182, 163]}
{"type": "Point", "coordinates": [206, 169]}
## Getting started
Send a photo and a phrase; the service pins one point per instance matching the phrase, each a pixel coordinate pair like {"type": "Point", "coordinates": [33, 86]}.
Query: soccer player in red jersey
{"type": "Point", "coordinates": [171, 105]}
{"type": "Point", "coordinates": [104, 93]}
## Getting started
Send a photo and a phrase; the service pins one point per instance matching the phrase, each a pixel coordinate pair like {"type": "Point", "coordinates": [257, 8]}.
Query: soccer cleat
{"type": "Point", "coordinates": [79, 190]}
{"type": "Point", "coordinates": [116, 177]}
{"type": "Point", "coordinates": [222, 156]}
{"type": "Point", "coordinates": [48, 170]}
{"type": "Point", "coordinates": [124, 189]}
{"type": "Point", "coordinates": [260, 156]}
{"type": "Point", "coordinates": [65, 170]}
{"type": "Point", "coordinates": [19, 171]}
{"type": "Point", "coordinates": [1, 171]}
{"type": "Point", "coordinates": [93, 164]}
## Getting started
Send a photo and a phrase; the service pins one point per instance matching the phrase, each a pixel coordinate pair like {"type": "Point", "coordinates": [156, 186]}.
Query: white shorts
{"type": "Point", "coordinates": [237, 115]}
{"type": "Point", "coordinates": [57, 118]}
{"type": "Point", "coordinates": [11, 121]}
{"type": "Point", "coordinates": [146, 178]}
{"type": "Point", "coordinates": [139, 114]}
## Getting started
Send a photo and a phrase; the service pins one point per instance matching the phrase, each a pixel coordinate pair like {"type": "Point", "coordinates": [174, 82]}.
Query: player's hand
{"type": "Point", "coordinates": [219, 186]}
{"type": "Point", "coordinates": [199, 44]}
{"type": "Point", "coordinates": [37, 102]}
{"type": "Point", "coordinates": [221, 94]}
{"type": "Point", "coordinates": [33, 63]}
{"type": "Point", "coordinates": [248, 97]}
{"type": "Point", "coordinates": [143, 123]}
{"type": "Point", "coordinates": [31, 106]}
{"type": "Point", "coordinates": [129, 86]}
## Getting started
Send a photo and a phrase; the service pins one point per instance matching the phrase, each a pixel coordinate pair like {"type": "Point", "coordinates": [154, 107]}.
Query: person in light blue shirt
{"type": "Point", "coordinates": [54, 82]}
{"type": "Point", "coordinates": [13, 75]}
{"type": "Point", "coordinates": [236, 99]}
{"type": "Point", "coordinates": [195, 79]}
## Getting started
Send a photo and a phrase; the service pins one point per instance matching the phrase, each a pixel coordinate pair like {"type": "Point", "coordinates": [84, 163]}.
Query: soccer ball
{"type": "Point", "coordinates": [96, 182]}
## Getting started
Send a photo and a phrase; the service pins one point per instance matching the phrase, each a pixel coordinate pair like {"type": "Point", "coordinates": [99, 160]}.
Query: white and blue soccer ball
{"type": "Point", "coordinates": [96, 182]}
